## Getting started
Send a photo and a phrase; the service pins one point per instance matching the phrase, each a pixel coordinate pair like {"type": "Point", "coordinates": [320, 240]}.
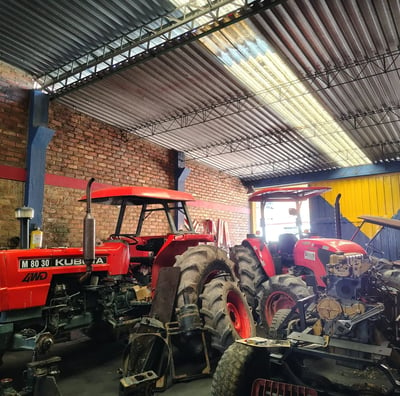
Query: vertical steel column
{"type": "Point", "coordinates": [39, 137]}
{"type": "Point", "coordinates": [181, 173]}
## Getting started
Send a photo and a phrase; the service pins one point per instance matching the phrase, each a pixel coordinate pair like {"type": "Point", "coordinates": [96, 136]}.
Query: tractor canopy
{"type": "Point", "coordinates": [137, 195]}
{"type": "Point", "coordinates": [148, 200]}
{"type": "Point", "coordinates": [286, 194]}
{"type": "Point", "coordinates": [381, 221]}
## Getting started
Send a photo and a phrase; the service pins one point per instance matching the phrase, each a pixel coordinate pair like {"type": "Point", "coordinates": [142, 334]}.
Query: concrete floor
{"type": "Point", "coordinates": [87, 370]}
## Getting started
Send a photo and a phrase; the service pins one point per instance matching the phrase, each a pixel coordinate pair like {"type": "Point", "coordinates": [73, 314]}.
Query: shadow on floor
{"type": "Point", "coordinates": [87, 370]}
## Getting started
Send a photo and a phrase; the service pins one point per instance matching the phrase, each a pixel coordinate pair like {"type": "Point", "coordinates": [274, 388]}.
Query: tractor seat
{"type": "Point", "coordinates": [152, 244]}
{"type": "Point", "coordinates": [144, 254]}
{"type": "Point", "coordinates": [286, 244]}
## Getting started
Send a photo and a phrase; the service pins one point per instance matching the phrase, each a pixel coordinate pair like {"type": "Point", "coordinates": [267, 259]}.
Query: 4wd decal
{"type": "Point", "coordinates": [47, 262]}
{"type": "Point", "coordinates": [34, 276]}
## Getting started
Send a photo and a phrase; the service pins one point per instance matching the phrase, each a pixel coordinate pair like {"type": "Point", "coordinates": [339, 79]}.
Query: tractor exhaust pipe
{"type": "Point", "coordinates": [338, 223]}
{"type": "Point", "coordinates": [89, 233]}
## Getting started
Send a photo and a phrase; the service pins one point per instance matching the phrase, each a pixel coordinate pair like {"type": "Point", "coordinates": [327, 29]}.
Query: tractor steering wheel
{"type": "Point", "coordinates": [132, 238]}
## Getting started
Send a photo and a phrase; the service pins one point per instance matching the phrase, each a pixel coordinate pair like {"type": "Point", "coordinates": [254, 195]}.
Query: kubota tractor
{"type": "Point", "coordinates": [104, 289]}
{"type": "Point", "coordinates": [264, 269]}
{"type": "Point", "coordinates": [341, 340]}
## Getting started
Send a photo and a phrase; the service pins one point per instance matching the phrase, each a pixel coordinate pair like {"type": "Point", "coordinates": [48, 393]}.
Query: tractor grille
{"type": "Point", "coordinates": [264, 387]}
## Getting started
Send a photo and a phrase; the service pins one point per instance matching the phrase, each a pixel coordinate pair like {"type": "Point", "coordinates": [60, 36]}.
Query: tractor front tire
{"type": "Point", "coordinates": [279, 292]}
{"type": "Point", "coordinates": [198, 265]}
{"type": "Point", "coordinates": [226, 313]}
{"type": "Point", "coordinates": [238, 367]}
{"type": "Point", "coordinates": [276, 331]}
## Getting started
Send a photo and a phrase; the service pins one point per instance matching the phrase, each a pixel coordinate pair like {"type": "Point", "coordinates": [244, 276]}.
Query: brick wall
{"type": "Point", "coordinates": [83, 147]}
{"type": "Point", "coordinates": [226, 192]}
{"type": "Point", "coordinates": [11, 197]}
{"type": "Point", "coordinates": [14, 93]}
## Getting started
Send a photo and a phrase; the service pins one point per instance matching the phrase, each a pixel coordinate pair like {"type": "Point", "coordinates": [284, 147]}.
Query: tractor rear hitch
{"type": "Point", "coordinates": [40, 378]}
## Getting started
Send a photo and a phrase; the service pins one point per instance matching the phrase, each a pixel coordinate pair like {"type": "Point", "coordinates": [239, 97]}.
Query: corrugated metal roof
{"type": "Point", "coordinates": [40, 36]}
{"type": "Point", "coordinates": [345, 52]}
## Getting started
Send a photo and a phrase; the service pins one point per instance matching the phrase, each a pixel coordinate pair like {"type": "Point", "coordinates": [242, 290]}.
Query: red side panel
{"type": "Point", "coordinates": [25, 275]}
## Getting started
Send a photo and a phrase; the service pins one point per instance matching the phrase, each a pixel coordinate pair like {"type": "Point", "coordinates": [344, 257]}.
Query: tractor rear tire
{"type": "Point", "coordinates": [226, 313]}
{"type": "Point", "coordinates": [279, 292]}
{"type": "Point", "coordinates": [250, 272]}
{"type": "Point", "coordinates": [238, 367]}
{"type": "Point", "coordinates": [198, 265]}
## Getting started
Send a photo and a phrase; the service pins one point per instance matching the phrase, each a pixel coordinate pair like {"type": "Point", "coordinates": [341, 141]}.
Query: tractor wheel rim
{"type": "Point", "coordinates": [276, 301]}
{"type": "Point", "coordinates": [238, 315]}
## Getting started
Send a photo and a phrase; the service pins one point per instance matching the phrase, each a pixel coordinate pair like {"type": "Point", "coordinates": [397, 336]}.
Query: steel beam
{"type": "Point", "coordinates": [181, 26]}
{"type": "Point", "coordinates": [306, 177]}
{"type": "Point", "coordinates": [39, 137]}
{"type": "Point", "coordinates": [181, 173]}
{"type": "Point", "coordinates": [328, 78]}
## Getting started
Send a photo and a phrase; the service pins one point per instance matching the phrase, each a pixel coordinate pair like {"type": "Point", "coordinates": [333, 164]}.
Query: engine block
{"type": "Point", "coordinates": [348, 277]}
{"type": "Point", "coordinates": [348, 265]}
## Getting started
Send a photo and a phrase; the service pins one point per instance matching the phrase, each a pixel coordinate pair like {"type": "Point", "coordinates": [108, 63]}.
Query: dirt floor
{"type": "Point", "coordinates": [86, 370]}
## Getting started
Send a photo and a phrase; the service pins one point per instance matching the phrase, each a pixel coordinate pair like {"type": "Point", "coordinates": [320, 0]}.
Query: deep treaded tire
{"type": "Point", "coordinates": [199, 264]}
{"type": "Point", "coordinates": [279, 292]}
{"type": "Point", "coordinates": [251, 274]}
{"type": "Point", "coordinates": [238, 367]}
{"type": "Point", "coordinates": [275, 331]}
{"type": "Point", "coordinates": [226, 313]}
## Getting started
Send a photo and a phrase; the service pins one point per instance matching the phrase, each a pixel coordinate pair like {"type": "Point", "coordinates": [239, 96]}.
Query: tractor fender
{"type": "Point", "coordinates": [261, 251]}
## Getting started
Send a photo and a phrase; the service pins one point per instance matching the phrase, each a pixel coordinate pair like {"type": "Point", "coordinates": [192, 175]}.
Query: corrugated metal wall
{"type": "Point", "coordinates": [377, 195]}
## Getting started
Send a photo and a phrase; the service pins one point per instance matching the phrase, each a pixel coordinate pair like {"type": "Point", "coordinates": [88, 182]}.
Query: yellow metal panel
{"type": "Point", "coordinates": [377, 195]}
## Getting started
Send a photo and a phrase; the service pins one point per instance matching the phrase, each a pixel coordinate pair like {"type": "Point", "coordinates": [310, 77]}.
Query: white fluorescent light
{"type": "Point", "coordinates": [247, 55]}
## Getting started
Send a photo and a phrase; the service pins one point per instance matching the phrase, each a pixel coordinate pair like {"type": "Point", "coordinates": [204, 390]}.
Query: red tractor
{"type": "Point", "coordinates": [103, 290]}
{"type": "Point", "coordinates": [341, 340]}
{"type": "Point", "coordinates": [265, 269]}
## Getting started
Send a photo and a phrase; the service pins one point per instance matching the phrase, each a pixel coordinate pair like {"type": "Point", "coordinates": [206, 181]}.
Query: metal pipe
{"type": "Point", "coordinates": [338, 224]}
{"type": "Point", "coordinates": [89, 231]}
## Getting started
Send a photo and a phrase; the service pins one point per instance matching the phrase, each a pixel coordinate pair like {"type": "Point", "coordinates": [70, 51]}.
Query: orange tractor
{"type": "Point", "coordinates": [178, 280]}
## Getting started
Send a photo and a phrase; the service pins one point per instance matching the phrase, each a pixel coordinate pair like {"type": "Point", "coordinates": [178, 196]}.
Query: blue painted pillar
{"type": "Point", "coordinates": [39, 137]}
{"type": "Point", "coordinates": [181, 173]}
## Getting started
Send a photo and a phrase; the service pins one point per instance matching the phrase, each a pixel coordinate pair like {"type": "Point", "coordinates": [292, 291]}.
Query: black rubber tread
{"type": "Point", "coordinates": [197, 264]}
{"type": "Point", "coordinates": [216, 315]}
{"type": "Point", "coordinates": [275, 331]}
{"type": "Point", "coordinates": [250, 272]}
{"type": "Point", "coordinates": [238, 367]}
{"type": "Point", "coordinates": [291, 285]}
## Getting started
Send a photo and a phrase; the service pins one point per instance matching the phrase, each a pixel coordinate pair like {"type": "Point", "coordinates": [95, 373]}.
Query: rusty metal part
{"type": "Point", "coordinates": [142, 384]}
{"type": "Point", "coordinates": [329, 308]}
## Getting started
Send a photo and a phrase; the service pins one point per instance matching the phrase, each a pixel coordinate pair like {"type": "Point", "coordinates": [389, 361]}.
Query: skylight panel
{"type": "Point", "coordinates": [249, 57]}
